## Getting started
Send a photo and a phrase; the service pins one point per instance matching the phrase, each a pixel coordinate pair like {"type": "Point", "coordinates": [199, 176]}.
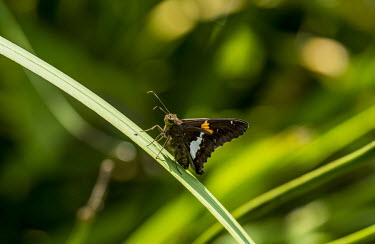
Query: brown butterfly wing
{"type": "Point", "coordinates": [203, 136]}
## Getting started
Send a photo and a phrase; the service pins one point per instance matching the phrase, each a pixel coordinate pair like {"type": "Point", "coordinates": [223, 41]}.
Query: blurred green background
{"type": "Point", "coordinates": [302, 73]}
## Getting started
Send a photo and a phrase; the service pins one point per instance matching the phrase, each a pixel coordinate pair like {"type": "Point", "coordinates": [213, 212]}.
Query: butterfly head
{"type": "Point", "coordinates": [171, 119]}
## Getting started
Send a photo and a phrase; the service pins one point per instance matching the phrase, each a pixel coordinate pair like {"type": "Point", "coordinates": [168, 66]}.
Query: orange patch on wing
{"type": "Point", "coordinates": [206, 127]}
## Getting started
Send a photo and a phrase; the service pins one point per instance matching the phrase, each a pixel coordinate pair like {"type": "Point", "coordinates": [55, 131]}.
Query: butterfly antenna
{"type": "Point", "coordinates": [160, 109]}
{"type": "Point", "coordinates": [159, 101]}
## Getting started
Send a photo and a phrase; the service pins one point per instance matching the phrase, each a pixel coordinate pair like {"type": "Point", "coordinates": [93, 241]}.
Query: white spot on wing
{"type": "Point", "coordinates": [195, 145]}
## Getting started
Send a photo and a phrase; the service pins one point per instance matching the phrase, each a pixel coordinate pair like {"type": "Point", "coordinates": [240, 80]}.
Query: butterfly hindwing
{"type": "Point", "coordinates": [203, 136]}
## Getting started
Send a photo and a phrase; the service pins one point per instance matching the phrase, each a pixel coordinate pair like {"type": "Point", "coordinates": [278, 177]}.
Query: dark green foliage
{"type": "Point", "coordinates": [302, 73]}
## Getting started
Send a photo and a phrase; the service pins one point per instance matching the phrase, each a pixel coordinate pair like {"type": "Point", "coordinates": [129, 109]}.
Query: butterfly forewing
{"type": "Point", "coordinates": [193, 140]}
{"type": "Point", "coordinates": [203, 136]}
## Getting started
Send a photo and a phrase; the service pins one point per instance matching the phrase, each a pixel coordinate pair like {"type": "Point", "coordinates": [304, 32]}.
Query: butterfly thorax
{"type": "Point", "coordinates": [173, 130]}
{"type": "Point", "coordinates": [172, 126]}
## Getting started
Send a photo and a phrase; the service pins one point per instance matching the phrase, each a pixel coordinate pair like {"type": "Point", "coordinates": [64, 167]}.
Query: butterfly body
{"type": "Point", "coordinates": [193, 140]}
{"type": "Point", "coordinates": [173, 131]}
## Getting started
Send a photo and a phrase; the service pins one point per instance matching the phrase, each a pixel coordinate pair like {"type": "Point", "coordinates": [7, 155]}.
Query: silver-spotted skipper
{"type": "Point", "coordinates": [193, 140]}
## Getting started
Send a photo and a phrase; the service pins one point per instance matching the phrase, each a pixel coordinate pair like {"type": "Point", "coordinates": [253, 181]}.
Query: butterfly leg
{"type": "Point", "coordinates": [153, 127]}
{"type": "Point", "coordinates": [165, 143]}
{"type": "Point", "coordinates": [157, 139]}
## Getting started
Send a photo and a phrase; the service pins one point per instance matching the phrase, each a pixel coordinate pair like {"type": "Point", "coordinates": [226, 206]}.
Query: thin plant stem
{"type": "Point", "coordinates": [362, 236]}
{"type": "Point", "coordinates": [87, 213]}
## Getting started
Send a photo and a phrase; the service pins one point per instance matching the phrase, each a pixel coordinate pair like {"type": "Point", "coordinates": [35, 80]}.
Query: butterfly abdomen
{"type": "Point", "coordinates": [179, 151]}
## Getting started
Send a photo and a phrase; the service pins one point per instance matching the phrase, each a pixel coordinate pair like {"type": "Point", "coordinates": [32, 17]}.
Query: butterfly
{"type": "Point", "coordinates": [193, 140]}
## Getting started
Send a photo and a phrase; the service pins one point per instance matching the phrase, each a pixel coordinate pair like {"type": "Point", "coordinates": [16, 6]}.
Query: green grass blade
{"type": "Point", "coordinates": [127, 127]}
{"type": "Point", "coordinates": [362, 236]}
{"type": "Point", "coordinates": [290, 189]}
